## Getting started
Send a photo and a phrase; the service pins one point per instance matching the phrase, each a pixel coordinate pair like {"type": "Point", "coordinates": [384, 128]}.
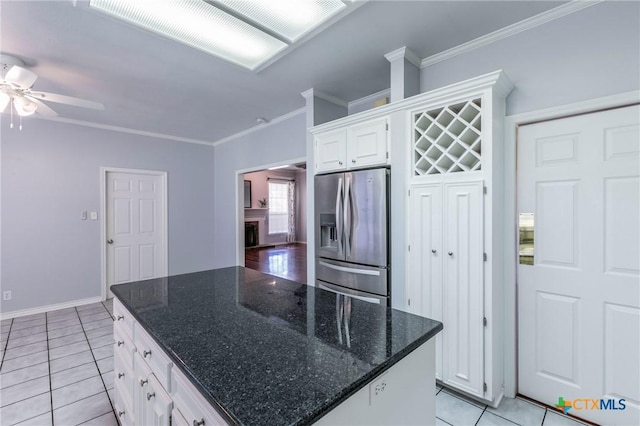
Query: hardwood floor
{"type": "Point", "coordinates": [286, 261]}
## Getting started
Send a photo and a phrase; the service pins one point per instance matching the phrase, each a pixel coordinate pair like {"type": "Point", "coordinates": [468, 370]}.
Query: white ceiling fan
{"type": "Point", "coordinates": [15, 91]}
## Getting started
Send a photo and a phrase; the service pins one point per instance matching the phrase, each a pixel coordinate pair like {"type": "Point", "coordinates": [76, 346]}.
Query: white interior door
{"type": "Point", "coordinates": [579, 300]}
{"type": "Point", "coordinates": [135, 231]}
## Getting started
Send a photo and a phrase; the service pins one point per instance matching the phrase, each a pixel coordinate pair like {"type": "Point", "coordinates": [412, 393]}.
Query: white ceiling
{"type": "Point", "coordinates": [153, 84]}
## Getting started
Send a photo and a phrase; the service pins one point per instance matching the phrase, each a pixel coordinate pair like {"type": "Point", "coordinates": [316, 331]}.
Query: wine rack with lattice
{"type": "Point", "coordinates": [448, 139]}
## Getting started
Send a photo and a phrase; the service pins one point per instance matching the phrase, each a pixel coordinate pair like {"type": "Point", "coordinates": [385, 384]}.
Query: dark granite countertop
{"type": "Point", "coordinates": [268, 351]}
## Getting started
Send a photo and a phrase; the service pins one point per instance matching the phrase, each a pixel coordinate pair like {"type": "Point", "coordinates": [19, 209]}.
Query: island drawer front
{"type": "Point", "coordinates": [124, 347]}
{"type": "Point", "coordinates": [124, 317]}
{"type": "Point", "coordinates": [123, 377]}
{"type": "Point", "coordinates": [155, 357]}
{"type": "Point", "coordinates": [190, 402]}
{"type": "Point", "coordinates": [122, 408]}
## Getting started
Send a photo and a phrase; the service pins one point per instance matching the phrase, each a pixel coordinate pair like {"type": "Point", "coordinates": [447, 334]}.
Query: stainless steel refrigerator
{"type": "Point", "coordinates": [352, 233]}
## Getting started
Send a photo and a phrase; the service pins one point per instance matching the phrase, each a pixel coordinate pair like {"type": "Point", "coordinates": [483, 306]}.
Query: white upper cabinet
{"type": "Point", "coordinates": [367, 143]}
{"type": "Point", "coordinates": [331, 151]}
{"type": "Point", "coordinates": [355, 146]}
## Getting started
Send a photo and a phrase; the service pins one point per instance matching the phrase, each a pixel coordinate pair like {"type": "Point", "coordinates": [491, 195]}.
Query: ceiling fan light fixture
{"type": "Point", "coordinates": [24, 106]}
{"type": "Point", "coordinates": [4, 101]}
{"type": "Point", "coordinates": [200, 25]}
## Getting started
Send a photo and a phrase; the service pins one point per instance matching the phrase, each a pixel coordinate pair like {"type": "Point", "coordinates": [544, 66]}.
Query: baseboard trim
{"type": "Point", "coordinates": [47, 308]}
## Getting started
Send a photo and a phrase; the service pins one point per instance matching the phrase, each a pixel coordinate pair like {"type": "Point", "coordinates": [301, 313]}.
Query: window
{"type": "Point", "coordinates": [278, 207]}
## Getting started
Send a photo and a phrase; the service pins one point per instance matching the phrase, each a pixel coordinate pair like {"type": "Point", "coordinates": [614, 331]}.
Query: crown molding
{"type": "Point", "coordinates": [261, 126]}
{"type": "Point", "coordinates": [497, 80]}
{"type": "Point", "coordinates": [91, 124]}
{"type": "Point", "coordinates": [513, 29]}
{"type": "Point", "coordinates": [307, 94]}
{"type": "Point", "coordinates": [406, 53]}
{"type": "Point", "coordinates": [369, 98]}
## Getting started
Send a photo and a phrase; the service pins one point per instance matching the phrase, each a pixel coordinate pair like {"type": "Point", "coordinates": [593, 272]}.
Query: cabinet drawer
{"type": "Point", "coordinates": [123, 377]}
{"type": "Point", "coordinates": [124, 347]}
{"type": "Point", "coordinates": [190, 402]}
{"type": "Point", "coordinates": [122, 407]}
{"type": "Point", "coordinates": [123, 317]}
{"type": "Point", "coordinates": [155, 357]}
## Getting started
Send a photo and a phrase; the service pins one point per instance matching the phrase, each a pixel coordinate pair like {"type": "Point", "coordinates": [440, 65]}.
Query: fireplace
{"type": "Point", "coordinates": [251, 234]}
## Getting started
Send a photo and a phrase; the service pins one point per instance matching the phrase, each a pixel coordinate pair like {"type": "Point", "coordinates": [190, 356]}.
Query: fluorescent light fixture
{"type": "Point", "coordinates": [199, 25]}
{"type": "Point", "coordinates": [278, 167]}
{"type": "Point", "coordinates": [290, 19]}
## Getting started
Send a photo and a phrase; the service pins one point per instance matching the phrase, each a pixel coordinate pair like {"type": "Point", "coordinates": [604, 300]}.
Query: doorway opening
{"type": "Point", "coordinates": [274, 222]}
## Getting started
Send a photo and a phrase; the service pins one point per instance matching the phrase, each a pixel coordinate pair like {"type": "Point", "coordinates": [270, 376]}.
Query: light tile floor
{"type": "Point", "coordinates": [57, 369]}
{"type": "Point", "coordinates": [455, 409]}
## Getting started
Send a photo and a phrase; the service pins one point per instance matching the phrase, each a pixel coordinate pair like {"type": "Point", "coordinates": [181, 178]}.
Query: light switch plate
{"type": "Point", "coordinates": [94, 215]}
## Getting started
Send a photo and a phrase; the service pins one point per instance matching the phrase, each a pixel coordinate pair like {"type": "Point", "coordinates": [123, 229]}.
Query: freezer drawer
{"type": "Point", "coordinates": [356, 277]}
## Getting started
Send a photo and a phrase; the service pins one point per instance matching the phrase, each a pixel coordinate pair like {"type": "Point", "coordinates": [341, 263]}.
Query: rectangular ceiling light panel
{"type": "Point", "coordinates": [200, 25]}
{"type": "Point", "coordinates": [291, 19]}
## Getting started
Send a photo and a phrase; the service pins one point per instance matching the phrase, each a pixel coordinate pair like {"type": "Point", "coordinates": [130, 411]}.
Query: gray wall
{"type": "Point", "coordinates": [51, 172]}
{"type": "Point", "coordinates": [275, 143]}
{"type": "Point", "coordinates": [589, 54]}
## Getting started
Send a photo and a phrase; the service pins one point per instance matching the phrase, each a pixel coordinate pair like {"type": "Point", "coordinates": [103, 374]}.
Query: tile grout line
{"type": "Point", "coordinates": [4, 349]}
{"type": "Point", "coordinates": [97, 367]}
{"type": "Point", "coordinates": [544, 416]}
{"type": "Point", "coordinates": [46, 327]}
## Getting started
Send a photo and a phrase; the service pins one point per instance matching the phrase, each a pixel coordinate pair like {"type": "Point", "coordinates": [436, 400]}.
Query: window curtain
{"type": "Point", "coordinates": [291, 229]}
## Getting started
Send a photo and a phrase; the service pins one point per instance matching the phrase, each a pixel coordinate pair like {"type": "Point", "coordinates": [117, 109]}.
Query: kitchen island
{"type": "Point", "coordinates": [236, 346]}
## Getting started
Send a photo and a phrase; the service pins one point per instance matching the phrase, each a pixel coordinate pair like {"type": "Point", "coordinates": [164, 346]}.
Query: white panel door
{"type": "Point", "coordinates": [425, 257]}
{"type": "Point", "coordinates": [135, 227]}
{"type": "Point", "coordinates": [157, 404]}
{"type": "Point", "coordinates": [463, 336]}
{"type": "Point", "coordinates": [367, 143]}
{"type": "Point", "coordinates": [579, 302]}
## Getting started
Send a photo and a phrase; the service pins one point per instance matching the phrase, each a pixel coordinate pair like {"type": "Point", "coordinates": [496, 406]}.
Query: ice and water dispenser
{"type": "Point", "coordinates": [328, 231]}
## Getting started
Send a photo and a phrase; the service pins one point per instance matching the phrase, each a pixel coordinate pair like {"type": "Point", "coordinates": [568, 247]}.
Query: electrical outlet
{"type": "Point", "coordinates": [6, 295]}
{"type": "Point", "coordinates": [378, 389]}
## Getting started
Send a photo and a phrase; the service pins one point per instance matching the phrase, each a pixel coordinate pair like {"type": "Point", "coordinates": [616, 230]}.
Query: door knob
{"type": "Point", "coordinates": [434, 251]}
{"type": "Point", "coordinates": [109, 241]}
{"type": "Point", "coordinates": [353, 161]}
{"type": "Point", "coordinates": [450, 253]}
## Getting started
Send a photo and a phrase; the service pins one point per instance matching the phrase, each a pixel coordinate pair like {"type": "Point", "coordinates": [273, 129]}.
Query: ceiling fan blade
{"type": "Point", "coordinates": [43, 109]}
{"type": "Point", "coordinates": [21, 77]}
{"type": "Point", "coordinates": [63, 99]}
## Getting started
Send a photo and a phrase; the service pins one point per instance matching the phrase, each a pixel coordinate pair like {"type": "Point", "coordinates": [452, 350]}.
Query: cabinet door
{"type": "Point", "coordinates": [157, 404]}
{"type": "Point", "coordinates": [177, 419]}
{"type": "Point", "coordinates": [425, 257]}
{"type": "Point", "coordinates": [367, 144]}
{"type": "Point", "coordinates": [463, 362]}
{"type": "Point", "coordinates": [331, 151]}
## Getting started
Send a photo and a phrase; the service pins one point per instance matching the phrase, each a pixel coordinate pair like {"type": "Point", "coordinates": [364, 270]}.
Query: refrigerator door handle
{"type": "Point", "coordinates": [347, 216]}
{"type": "Point", "coordinates": [339, 223]}
{"type": "Point", "coordinates": [350, 270]}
